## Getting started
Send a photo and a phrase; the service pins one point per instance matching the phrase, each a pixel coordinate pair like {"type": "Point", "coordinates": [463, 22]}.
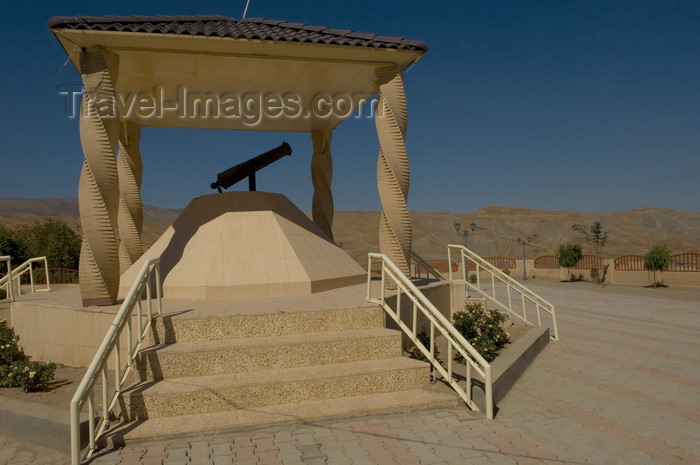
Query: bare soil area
{"type": "Point", "coordinates": [60, 391]}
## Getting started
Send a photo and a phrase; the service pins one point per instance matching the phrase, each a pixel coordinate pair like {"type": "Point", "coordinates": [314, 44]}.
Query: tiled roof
{"type": "Point", "coordinates": [221, 26]}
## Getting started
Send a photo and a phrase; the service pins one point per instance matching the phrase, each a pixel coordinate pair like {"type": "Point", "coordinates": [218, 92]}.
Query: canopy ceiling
{"type": "Point", "coordinates": [167, 64]}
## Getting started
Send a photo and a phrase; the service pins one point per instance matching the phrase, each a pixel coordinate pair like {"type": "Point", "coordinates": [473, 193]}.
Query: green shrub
{"type": "Point", "coordinates": [424, 338]}
{"type": "Point", "coordinates": [568, 255]}
{"type": "Point", "coordinates": [659, 258]}
{"type": "Point", "coordinates": [506, 272]}
{"type": "Point", "coordinates": [483, 329]}
{"type": "Point", "coordinates": [17, 369]}
{"type": "Point", "coordinates": [472, 278]}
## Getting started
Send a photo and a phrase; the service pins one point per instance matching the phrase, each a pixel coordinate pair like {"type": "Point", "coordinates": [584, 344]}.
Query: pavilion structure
{"type": "Point", "coordinates": [222, 73]}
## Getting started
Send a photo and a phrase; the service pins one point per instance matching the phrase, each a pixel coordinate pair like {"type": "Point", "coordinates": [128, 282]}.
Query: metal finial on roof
{"type": "Point", "coordinates": [245, 10]}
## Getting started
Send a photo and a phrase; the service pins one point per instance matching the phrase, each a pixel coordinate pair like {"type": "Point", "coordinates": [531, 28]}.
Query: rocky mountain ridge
{"type": "Point", "coordinates": [497, 228]}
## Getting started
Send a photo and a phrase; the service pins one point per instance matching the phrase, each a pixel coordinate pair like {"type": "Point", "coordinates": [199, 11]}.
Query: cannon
{"type": "Point", "coordinates": [247, 169]}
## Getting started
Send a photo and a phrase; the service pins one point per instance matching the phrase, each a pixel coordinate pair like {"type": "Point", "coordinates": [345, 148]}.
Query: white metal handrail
{"type": "Point", "coordinates": [5, 281]}
{"type": "Point", "coordinates": [26, 267]}
{"type": "Point", "coordinates": [456, 344]}
{"type": "Point", "coordinates": [429, 269]}
{"type": "Point", "coordinates": [111, 345]}
{"type": "Point", "coordinates": [498, 277]}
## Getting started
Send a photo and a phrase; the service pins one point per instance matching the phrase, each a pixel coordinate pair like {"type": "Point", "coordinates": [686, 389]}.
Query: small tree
{"type": "Point", "coordinates": [568, 255]}
{"type": "Point", "coordinates": [56, 241]}
{"type": "Point", "coordinates": [11, 244]}
{"type": "Point", "coordinates": [658, 259]}
{"type": "Point", "coordinates": [597, 236]}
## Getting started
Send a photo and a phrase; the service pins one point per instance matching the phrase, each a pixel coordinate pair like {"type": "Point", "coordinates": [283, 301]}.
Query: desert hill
{"type": "Point", "coordinates": [498, 227]}
{"type": "Point", "coordinates": [18, 212]}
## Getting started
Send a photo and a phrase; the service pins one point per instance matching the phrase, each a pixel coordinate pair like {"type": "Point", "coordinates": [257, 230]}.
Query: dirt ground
{"type": "Point", "coordinates": [60, 391]}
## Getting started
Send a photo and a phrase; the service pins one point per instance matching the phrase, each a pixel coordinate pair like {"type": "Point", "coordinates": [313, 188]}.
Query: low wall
{"type": "Point", "coordinates": [69, 335]}
{"type": "Point", "coordinates": [644, 278]}
{"type": "Point", "coordinates": [447, 298]}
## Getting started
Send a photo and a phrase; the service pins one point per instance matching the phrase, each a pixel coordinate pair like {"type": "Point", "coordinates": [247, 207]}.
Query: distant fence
{"type": "Point", "coordinates": [629, 263]}
{"type": "Point", "coordinates": [501, 263]}
{"type": "Point", "coordinates": [589, 262]}
{"type": "Point", "coordinates": [56, 276]}
{"type": "Point", "coordinates": [547, 262]}
{"type": "Point", "coordinates": [443, 266]}
{"type": "Point", "coordinates": [685, 262]}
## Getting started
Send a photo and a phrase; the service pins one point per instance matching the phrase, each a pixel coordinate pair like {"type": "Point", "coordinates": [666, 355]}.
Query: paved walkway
{"type": "Point", "coordinates": [622, 386]}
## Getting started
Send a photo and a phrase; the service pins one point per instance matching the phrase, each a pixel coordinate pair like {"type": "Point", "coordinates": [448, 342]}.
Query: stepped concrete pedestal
{"type": "Point", "coordinates": [238, 245]}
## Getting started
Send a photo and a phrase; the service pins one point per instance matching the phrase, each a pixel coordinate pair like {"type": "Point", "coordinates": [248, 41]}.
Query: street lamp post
{"type": "Point", "coordinates": [524, 242]}
{"type": "Point", "coordinates": [465, 232]}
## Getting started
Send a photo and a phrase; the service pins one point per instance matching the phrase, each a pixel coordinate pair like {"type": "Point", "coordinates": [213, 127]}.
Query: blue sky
{"type": "Point", "coordinates": [557, 105]}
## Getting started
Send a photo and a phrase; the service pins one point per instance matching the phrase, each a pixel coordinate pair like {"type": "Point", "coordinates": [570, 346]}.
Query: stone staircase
{"type": "Point", "coordinates": [227, 372]}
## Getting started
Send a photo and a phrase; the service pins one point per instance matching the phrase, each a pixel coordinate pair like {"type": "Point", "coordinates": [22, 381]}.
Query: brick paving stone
{"type": "Point", "coordinates": [199, 457]}
{"type": "Point", "coordinates": [223, 460]}
{"type": "Point", "coordinates": [310, 451]}
{"type": "Point", "coordinates": [221, 449]}
{"type": "Point", "coordinates": [289, 459]}
{"type": "Point", "coordinates": [177, 454]}
{"type": "Point", "coordinates": [152, 461]}
{"type": "Point", "coordinates": [241, 441]}
{"type": "Point", "coordinates": [329, 442]}
{"type": "Point", "coordinates": [246, 461]}
{"type": "Point", "coordinates": [283, 437]}
{"type": "Point", "coordinates": [243, 453]}
{"type": "Point", "coordinates": [264, 444]}
{"type": "Point", "coordinates": [306, 439]}
{"type": "Point", "coordinates": [316, 461]}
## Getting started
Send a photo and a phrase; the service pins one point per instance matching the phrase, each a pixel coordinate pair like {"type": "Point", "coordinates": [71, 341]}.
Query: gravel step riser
{"type": "Point", "coordinates": [151, 365]}
{"type": "Point", "coordinates": [170, 329]}
{"type": "Point", "coordinates": [141, 405]}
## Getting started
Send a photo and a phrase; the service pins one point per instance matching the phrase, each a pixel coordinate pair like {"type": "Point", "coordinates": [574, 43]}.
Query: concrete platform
{"type": "Point", "coordinates": [621, 386]}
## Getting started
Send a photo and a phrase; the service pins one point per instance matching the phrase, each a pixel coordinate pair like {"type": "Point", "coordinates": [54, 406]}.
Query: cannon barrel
{"type": "Point", "coordinates": [248, 168]}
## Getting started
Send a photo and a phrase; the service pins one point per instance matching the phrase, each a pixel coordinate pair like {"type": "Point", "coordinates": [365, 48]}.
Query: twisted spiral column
{"type": "Point", "coordinates": [98, 191]}
{"type": "Point", "coordinates": [130, 215]}
{"type": "Point", "coordinates": [393, 173]}
{"type": "Point", "coordinates": [321, 176]}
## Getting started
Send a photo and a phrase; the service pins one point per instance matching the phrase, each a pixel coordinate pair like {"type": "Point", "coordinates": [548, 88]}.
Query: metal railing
{"type": "Point", "coordinates": [506, 285]}
{"type": "Point", "coordinates": [111, 344]}
{"type": "Point", "coordinates": [392, 277]}
{"type": "Point", "coordinates": [15, 274]}
{"type": "Point", "coordinates": [422, 264]}
{"type": "Point", "coordinates": [5, 282]}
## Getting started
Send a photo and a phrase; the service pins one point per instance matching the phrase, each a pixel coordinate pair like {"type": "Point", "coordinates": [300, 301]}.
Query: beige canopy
{"type": "Point", "coordinates": [220, 73]}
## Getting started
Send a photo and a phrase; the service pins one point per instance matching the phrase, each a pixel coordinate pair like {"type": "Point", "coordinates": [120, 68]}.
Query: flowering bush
{"type": "Point", "coordinates": [423, 338]}
{"type": "Point", "coordinates": [483, 329]}
{"type": "Point", "coordinates": [17, 369]}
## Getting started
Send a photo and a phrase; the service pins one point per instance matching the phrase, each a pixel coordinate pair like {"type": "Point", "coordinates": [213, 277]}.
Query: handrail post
{"type": "Point", "coordinates": [75, 432]}
{"type": "Point", "coordinates": [488, 392]}
{"type": "Point", "coordinates": [10, 292]}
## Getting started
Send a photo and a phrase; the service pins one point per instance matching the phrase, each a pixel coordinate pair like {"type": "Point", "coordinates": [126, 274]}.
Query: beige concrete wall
{"type": "Point", "coordinates": [65, 335]}
{"type": "Point", "coordinates": [671, 278]}
{"type": "Point", "coordinates": [444, 296]}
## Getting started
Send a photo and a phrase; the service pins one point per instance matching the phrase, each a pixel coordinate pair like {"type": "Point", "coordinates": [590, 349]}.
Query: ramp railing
{"type": "Point", "coordinates": [111, 345]}
{"type": "Point", "coordinates": [501, 289]}
{"type": "Point", "coordinates": [405, 291]}
{"type": "Point", "coordinates": [15, 274]}
{"type": "Point", "coordinates": [5, 282]}
{"type": "Point", "coordinates": [422, 264]}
